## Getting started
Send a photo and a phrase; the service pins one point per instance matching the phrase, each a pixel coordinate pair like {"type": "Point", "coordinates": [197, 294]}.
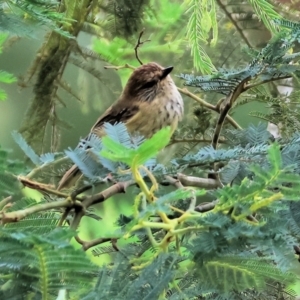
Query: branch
{"type": "Point", "coordinates": [18, 215]}
{"type": "Point", "coordinates": [71, 201]}
{"type": "Point", "coordinates": [40, 168]}
{"type": "Point", "coordinates": [228, 103]}
{"type": "Point", "coordinates": [119, 187]}
{"type": "Point", "coordinates": [231, 98]}
{"type": "Point", "coordinates": [42, 187]}
{"type": "Point", "coordinates": [250, 86]}
{"type": "Point", "coordinates": [239, 30]}
{"type": "Point", "coordinates": [5, 201]}
{"type": "Point", "coordinates": [208, 105]}
{"type": "Point", "coordinates": [89, 244]}
{"type": "Point", "coordinates": [186, 92]}
{"type": "Point", "coordinates": [126, 66]}
{"type": "Point", "coordinates": [206, 183]}
{"type": "Point", "coordinates": [138, 44]}
{"type": "Point", "coordinates": [204, 207]}
{"type": "Point", "coordinates": [191, 140]}
{"type": "Point", "coordinates": [173, 181]}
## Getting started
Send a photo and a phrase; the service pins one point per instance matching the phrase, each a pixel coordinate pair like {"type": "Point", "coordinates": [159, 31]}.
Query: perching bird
{"type": "Point", "coordinates": [149, 102]}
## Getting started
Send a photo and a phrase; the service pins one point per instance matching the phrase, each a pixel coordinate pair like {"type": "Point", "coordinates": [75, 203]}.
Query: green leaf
{"type": "Point", "coordinates": [117, 152]}
{"type": "Point", "coordinates": [3, 95]}
{"type": "Point", "coordinates": [7, 77]}
{"type": "Point", "coordinates": [162, 204]}
{"type": "Point", "coordinates": [266, 12]}
{"type": "Point", "coordinates": [48, 261]}
{"type": "Point", "coordinates": [151, 147]}
{"type": "Point", "coordinates": [3, 37]}
{"type": "Point", "coordinates": [200, 23]}
{"type": "Point", "coordinates": [274, 157]}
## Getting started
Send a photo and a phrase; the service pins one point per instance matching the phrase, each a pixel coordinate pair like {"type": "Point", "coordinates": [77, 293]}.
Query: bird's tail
{"type": "Point", "coordinates": [69, 178]}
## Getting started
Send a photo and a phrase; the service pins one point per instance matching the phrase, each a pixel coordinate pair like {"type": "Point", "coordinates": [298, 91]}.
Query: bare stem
{"type": "Point", "coordinates": [208, 106]}
{"type": "Point", "coordinates": [18, 215]}
{"type": "Point", "coordinates": [138, 45]}
{"type": "Point", "coordinates": [89, 244]}
{"type": "Point", "coordinates": [126, 66]}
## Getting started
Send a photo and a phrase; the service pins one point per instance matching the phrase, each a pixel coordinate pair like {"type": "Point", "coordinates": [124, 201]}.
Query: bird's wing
{"type": "Point", "coordinates": [115, 114]}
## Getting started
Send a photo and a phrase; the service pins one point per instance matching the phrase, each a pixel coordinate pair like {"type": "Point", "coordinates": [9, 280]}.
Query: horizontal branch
{"type": "Point", "coordinates": [42, 187]}
{"type": "Point", "coordinates": [173, 181]}
{"type": "Point", "coordinates": [205, 183]}
{"type": "Point", "coordinates": [204, 207]}
{"type": "Point", "coordinates": [89, 244]}
{"type": "Point", "coordinates": [18, 215]}
{"type": "Point", "coordinates": [250, 86]}
{"type": "Point", "coordinates": [192, 140]}
{"type": "Point", "coordinates": [117, 188]}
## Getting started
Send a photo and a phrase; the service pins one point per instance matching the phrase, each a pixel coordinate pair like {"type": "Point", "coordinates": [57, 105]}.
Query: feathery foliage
{"type": "Point", "coordinates": [272, 62]}
{"type": "Point", "coordinates": [17, 16]}
{"type": "Point", "coordinates": [219, 220]}
{"type": "Point", "coordinates": [266, 12]}
{"type": "Point", "coordinates": [52, 264]}
{"type": "Point", "coordinates": [202, 21]}
{"type": "Point", "coordinates": [5, 77]}
{"type": "Point", "coordinates": [124, 18]}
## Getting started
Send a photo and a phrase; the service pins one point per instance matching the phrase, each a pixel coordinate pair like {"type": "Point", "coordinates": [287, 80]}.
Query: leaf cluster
{"type": "Point", "coordinates": [19, 17]}
{"type": "Point", "coordinates": [238, 244]}
{"type": "Point", "coordinates": [40, 265]}
{"type": "Point", "coordinates": [238, 248]}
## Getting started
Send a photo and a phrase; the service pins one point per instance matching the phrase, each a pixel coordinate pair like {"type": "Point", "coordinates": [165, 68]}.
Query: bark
{"type": "Point", "coordinates": [50, 66]}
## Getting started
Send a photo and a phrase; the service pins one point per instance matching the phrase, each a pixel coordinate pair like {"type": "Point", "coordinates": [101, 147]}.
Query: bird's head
{"type": "Point", "coordinates": [147, 81]}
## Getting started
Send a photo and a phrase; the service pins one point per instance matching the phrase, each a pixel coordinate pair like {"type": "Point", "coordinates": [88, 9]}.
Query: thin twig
{"type": "Point", "coordinates": [138, 44]}
{"type": "Point", "coordinates": [70, 202]}
{"type": "Point", "coordinates": [42, 187]}
{"type": "Point", "coordinates": [192, 205]}
{"type": "Point", "coordinates": [233, 21]}
{"type": "Point", "coordinates": [18, 215]}
{"type": "Point", "coordinates": [204, 207]}
{"type": "Point", "coordinates": [119, 187]}
{"type": "Point", "coordinates": [79, 191]}
{"type": "Point", "coordinates": [206, 183]}
{"type": "Point", "coordinates": [64, 217]}
{"type": "Point", "coordinates": [77, 218]}
{"type": "Point", "coordinates": [250, 86]}
{"type": "Point", "coordinates": [5, 201]}
{"type": "Point", "coordinates": [174, 182]}
{"type": "Point", "coordinates": [228, 102]}
{"type": "Point", "coordinates": [89, 244]}
{"type": "Point", "coordinates": [192, 140]}
{"type": "Point", "coordinates": [126, 66]}
{"type": "Point", "coordinates": [186, 92]}
{"type": "Point", "coordinates": [40, 168]}
{"type": "Point", "coordinates": [208, 105]}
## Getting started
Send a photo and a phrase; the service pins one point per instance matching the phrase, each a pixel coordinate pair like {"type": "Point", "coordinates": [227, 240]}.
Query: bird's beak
{"type": "Point", "coordinates": [166, 72]}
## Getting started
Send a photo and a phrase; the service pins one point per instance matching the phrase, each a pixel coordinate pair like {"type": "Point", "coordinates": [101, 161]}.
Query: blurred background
{"type": "Point", "coordinates": [86, 88]}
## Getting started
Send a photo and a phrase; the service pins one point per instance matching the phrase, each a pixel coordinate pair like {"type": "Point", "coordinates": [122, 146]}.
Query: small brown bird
{"type": "Point", "coordinates": [149, 102]}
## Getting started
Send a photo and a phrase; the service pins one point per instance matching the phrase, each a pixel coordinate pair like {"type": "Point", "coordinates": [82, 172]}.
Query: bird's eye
{"type": "Point", "coordinates": [149, 84]}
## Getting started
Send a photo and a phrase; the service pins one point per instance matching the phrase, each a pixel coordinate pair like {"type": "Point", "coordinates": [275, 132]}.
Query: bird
{"type": "Point", "coordinates": [149, 101]}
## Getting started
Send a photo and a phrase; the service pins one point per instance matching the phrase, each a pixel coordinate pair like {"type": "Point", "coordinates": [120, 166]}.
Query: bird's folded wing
{"type": "Point", "coordinates": [115, 114]}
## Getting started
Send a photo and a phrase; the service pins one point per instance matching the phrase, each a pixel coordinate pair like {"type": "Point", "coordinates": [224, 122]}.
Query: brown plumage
{"type": "Point", "coordinates": [149, 102]}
